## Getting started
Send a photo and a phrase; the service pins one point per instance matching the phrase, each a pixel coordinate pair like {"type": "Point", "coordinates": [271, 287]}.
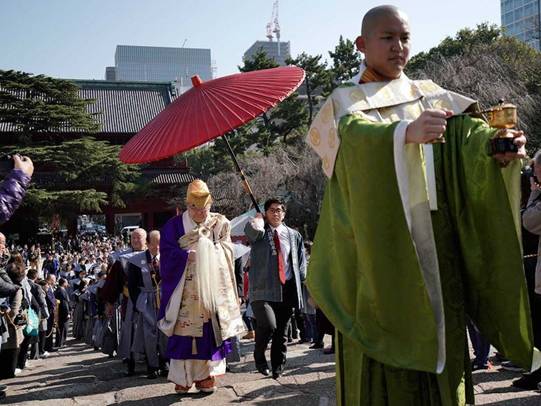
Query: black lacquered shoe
{"type": "Point", "coordinates": [263, 370]}
{"type": "Point", "coordinates": [164, 372]}
{"type": "Point", "coordinates": [152, 374]}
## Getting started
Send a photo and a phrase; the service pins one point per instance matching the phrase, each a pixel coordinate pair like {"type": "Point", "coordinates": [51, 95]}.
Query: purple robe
{"type": "Point", "coordinates": [172, 265]}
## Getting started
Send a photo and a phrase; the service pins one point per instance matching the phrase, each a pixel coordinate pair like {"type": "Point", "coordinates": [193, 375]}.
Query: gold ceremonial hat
{"type": "Point", "coordinates": [198, 194]}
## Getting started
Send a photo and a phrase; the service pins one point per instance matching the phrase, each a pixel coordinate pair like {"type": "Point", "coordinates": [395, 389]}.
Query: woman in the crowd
{"type": "Point", "coordinates": [16, 317]}
{"type": "Point", "coordinates": [30, 338]}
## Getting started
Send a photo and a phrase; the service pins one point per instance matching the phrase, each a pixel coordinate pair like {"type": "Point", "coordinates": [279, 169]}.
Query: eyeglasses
{"type": "Point", "coordinates": [278, 211]}
{"type": "Point", "coordinates": [199, 209]}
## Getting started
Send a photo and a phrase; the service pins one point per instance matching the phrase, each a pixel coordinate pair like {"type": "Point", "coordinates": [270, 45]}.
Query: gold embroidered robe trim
{"type": "Point", "coordinates": [227, 321]}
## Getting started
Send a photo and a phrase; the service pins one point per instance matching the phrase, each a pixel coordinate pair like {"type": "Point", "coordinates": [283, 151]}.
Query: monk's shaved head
{"type": "Point", "coordinates": [385, 41]}
{"type": "Point", "coordinates": [372, 18]}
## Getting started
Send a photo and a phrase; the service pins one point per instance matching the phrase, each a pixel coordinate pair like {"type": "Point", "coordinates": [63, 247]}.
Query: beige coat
{"type": "Point", "coordinates": [16, 335]}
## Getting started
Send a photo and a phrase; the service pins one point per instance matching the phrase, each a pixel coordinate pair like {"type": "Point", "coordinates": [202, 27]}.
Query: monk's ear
{"type": "Point", "coordinates": [360, 43]}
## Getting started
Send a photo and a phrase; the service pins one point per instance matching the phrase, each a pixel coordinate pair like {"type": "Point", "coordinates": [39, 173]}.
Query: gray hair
{"type": "Point", "coordinates": [537, 158]}
{"type": "Point", "coordinates": [153, 234]}
{"type": "Point", "coordinates": [140, 231]}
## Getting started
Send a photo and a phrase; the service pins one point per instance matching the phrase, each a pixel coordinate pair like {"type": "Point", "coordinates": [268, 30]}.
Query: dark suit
{"type": "Point", "coordinates": [63, 316]}
{"type": "Point", "coordinates": [50, 299]}
{"type": "Point", "coordinates": [272, 302]}
{"type": "Point", "coordinates": [239, 277]}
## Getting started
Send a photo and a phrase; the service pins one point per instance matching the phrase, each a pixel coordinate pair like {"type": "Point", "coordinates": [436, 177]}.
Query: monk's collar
{"type": "Point", "coordinates": [369, 75]}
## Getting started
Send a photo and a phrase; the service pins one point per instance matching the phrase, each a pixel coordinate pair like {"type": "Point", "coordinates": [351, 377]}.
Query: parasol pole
{"type": "Point", "coordinates": [245, 183]}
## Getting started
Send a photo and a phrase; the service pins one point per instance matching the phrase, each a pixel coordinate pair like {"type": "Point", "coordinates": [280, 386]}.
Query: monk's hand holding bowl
{"type": "Point", "coordinates": [429, 127]}
{"type": "Point", "coordinates": [519, 139]}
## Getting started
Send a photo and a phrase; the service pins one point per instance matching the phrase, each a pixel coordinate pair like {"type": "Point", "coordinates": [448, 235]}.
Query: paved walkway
{"type": "Point", "coordinates": [77, 375]}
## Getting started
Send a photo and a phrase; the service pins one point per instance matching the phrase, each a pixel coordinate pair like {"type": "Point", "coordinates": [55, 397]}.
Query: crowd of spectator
{"type": "Point", "coordinates": [44, 292]}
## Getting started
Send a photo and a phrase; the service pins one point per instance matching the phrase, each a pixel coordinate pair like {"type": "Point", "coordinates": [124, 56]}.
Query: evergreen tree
{"type": "Point", "coordinates": [346, 61]}
{"type": "Point", "coordinates": [40, 104]}
{"type": "Point", "coordinates": [279, 121]}
{"type": "Point", "coordinates": [259, 61]}
{"type": "Point", "coordinates": [317, 78]}
{"type": "Point", "coordinates": [73, 176]}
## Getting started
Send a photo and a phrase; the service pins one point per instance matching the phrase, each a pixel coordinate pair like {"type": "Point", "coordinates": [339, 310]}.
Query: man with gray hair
{"type": "Point", "coordinates": [130, 276]}
{"type": "Point", "coordinates": [144, 294]}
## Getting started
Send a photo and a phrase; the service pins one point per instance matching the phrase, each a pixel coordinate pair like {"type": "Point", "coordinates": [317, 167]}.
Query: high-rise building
{"type": "Point", "coordinates": [110, 73]}
{"type": "Point", "coordinates": [279, 51]}
{"type": "Point", "coordinates": [522, 19]}
{"type": "Point", "coordinates": [161, 64]}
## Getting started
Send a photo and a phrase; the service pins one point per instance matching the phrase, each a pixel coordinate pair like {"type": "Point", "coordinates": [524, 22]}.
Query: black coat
{"type": "Point", "coordinates": [50, 299]}
{"type": "Point", "coordinates": [64, 305]}
{"type": "Point", "coordinates": [239, 277]}
{"type": "Point", "coordinates": [7, 287]}
{"type": "Point", "coordinates": [39, 296]}
{"type": "Point", "coordinates": [135, 278]}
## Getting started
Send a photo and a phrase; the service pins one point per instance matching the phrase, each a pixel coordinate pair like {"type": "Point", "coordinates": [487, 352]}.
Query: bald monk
{"type": "Point", "coordinates": [414, 233]}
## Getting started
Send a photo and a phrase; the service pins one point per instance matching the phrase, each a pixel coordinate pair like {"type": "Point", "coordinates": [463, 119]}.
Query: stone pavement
{"type": "Point", "coordinates": [493, 387]}
{"type": "Point", "coordinates": [77, 375]}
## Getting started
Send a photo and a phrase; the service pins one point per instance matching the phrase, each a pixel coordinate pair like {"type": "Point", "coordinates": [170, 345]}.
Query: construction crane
{"type": "Point", "coordinates": [273, 27]}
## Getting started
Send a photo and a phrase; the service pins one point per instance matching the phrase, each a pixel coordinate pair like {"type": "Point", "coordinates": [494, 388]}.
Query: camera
{"type": "Point", "coordinates": [529, 172]}
{"type": "Point", "coordinates": [6, 164]}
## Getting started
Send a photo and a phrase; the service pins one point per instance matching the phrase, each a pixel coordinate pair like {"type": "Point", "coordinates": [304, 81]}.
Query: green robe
{"type": "Point", "coordinates": [365, 275]}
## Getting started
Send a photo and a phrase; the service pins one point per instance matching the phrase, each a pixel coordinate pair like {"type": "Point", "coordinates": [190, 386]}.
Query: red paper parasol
{"type": "Point", "coordinates": [209, 110]}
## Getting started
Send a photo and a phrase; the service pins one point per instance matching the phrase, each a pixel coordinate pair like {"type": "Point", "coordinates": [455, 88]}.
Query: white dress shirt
{"type": "Point", "coordinates": [285, 247]}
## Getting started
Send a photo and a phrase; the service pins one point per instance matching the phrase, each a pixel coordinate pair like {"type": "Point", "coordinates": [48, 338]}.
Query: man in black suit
{"type": "Point", "coordinates": [277, 269]}
{"type": "Point", "coordinates": [63, 312]}
{"type": "Point", "coordinates": [51, 307]}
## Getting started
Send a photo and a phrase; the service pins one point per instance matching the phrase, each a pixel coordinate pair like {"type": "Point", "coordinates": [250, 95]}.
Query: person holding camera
{"type": "Point", "coordinates": [531, 220]}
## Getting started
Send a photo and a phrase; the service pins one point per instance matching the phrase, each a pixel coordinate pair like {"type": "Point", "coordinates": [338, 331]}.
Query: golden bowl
{"type": "Point", "coordinates": [502, 116]}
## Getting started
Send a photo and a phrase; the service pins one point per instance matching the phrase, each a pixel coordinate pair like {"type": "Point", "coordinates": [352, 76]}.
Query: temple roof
{"type": "Point", "coordinates": [125, 107]}
{"type": "Point", "coordinates": [120, 107]}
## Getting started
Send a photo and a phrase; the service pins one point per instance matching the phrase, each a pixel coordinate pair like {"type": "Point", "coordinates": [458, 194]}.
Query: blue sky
{"type": "Point", "coordinates": [77, 38]}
